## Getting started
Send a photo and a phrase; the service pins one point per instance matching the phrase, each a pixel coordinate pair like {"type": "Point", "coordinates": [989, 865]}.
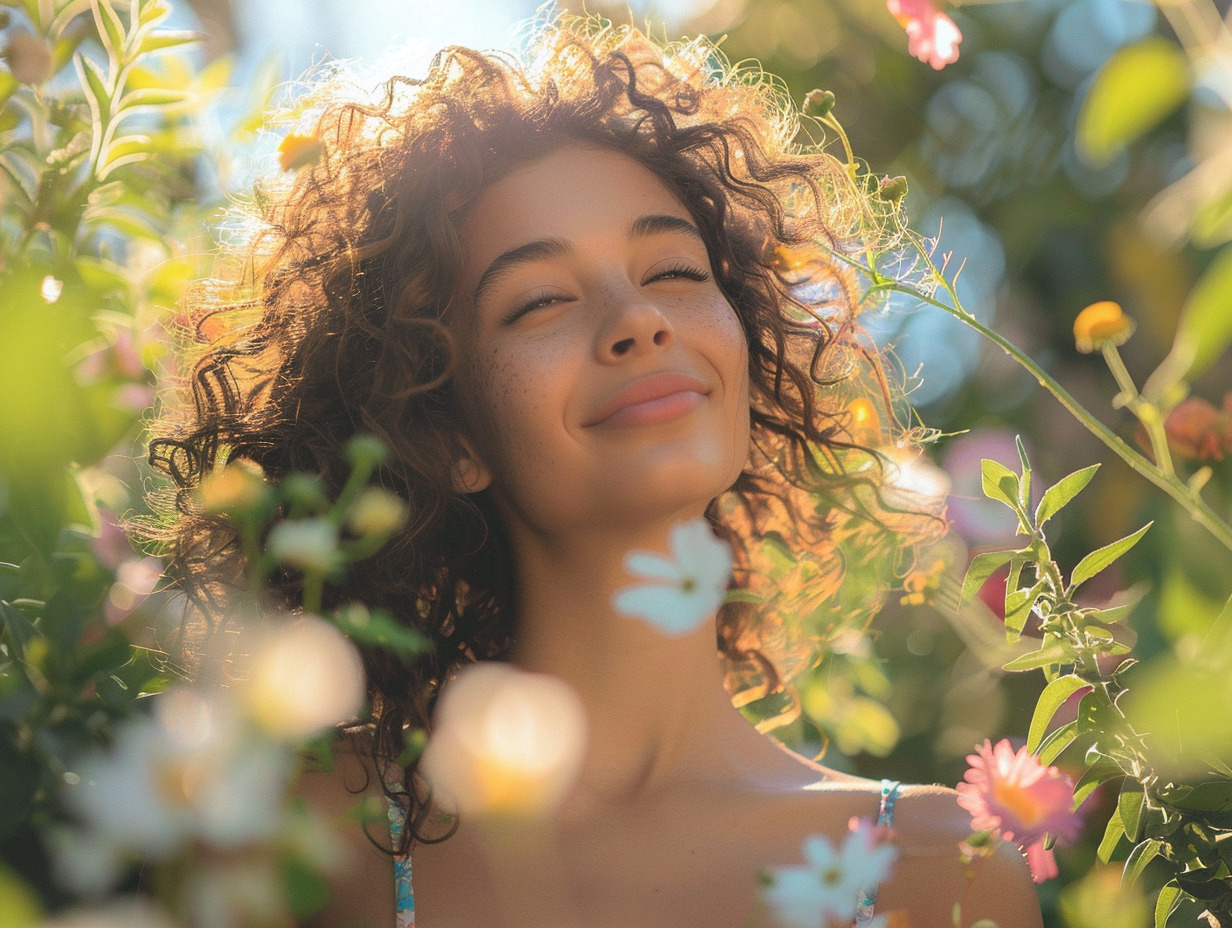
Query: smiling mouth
{"type": "Point", "coordinates": [652, 400]}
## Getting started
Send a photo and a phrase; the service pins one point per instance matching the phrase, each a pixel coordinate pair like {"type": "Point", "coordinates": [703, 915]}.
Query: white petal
{"type": "Point", "coordinates": [651, 566]}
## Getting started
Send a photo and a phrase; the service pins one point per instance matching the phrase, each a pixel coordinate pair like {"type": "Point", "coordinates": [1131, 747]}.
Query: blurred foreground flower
{"type": "Point", "coordinates": [1013, 794]}
{"type": "Point", "coordinates": [683, 590]}
{"type": "Point", "coordinates": [303, 676]}
{"type": "Point", "coordinates": [299, 151]}
{"type": "Point", "coordinates": [306, 544]}
{"type": "Point", "coordinates": [1197, 429]}
{"type": "Point", "coordinates": [1100, 324]}
{"type": "Point", "coordinates": [29, 57]}
{"type": "Point", "coordinates": [191, 772]}
{"type": "Point", "coordinates": [931, 35]}
{"type": "Point", "coordinates": [505, 742]}
{"type": "Point", "coordinates": [828, 887]}
{"type": "Point", "coordinates": [120, 913]}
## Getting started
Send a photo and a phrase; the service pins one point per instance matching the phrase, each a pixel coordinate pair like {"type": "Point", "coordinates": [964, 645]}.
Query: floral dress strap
{"type": "Point", "coordinates": [404, 896]}
{"type": "Point", "coordinates": [885, 816]}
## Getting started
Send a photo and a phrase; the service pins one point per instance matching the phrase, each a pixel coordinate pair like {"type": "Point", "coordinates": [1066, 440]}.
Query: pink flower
{"type": "Point", "coordinates": [1041, 862]}
{"type": "Point", "coordinates": [931, 35]}
{"type": "Point", "coordinates": [1012, 793]}
{"type": "Point", "coordinates": [1196, 429]}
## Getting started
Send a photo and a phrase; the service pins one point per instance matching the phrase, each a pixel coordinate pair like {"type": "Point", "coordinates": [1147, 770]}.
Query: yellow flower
{"type": "Point", "coordinates": [236, 489]}
{"type": "Point", "coordinates": [299, 151]}
{"type": "Point", "coordinates": [1100, 324]}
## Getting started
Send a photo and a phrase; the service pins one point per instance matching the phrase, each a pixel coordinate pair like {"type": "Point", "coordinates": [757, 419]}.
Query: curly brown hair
{"type": "Point", "coordinates": [337, 321]}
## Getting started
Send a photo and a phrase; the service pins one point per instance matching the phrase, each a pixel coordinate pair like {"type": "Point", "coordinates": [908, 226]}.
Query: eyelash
{"type": "Point", "coordinates": [675, 271]}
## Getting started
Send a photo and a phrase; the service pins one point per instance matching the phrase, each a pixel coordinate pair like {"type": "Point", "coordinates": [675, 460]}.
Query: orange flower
{"type": "Point", "coordinates": [863, 423]}
{"type": "Point", "coordinates": [1102, 323]}
{"type": "Point", "coordinates": [299, 151]}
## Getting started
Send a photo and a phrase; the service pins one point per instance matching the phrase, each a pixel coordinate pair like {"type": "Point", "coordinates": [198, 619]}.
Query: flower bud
{"type": "Point", "coordinates": [376, 512]}
{"type": "Point", "coordinates": [1102, 323]}
{"type": "Point", "coordinates": [892, 189]}
{"type": "Point", "coordinates": [365, 449]}
{"type": "Point", "coordinates": [818, 103]}
{"type": "Point", "coordinates": [1196, 429]}
{"type": "Point", "coordinates": [237, 489]}
{"type": "Point", "coordinates": [306, 544]}
{"type": "Point", "coordinates": [29, 58]}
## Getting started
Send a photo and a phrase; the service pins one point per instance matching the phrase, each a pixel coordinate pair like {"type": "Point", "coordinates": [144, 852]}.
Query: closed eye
{"type": "Point", "coordinates": [678, 271]}
{"type": "Point", "coordinates": [536, 301]}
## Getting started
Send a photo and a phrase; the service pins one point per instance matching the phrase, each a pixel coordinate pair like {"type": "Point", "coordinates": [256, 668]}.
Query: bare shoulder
{"type": "Point", "coordinates": [362, 886]}
{"type": "Point", "coordinates": [931, 876]}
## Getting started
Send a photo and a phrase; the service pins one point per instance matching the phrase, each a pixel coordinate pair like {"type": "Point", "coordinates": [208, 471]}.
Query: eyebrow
{"type": "Point", "coordinates": [545, 248]}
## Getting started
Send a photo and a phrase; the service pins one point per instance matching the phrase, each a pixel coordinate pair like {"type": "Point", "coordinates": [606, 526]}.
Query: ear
{"type": "Point", "coordinates": [470, 474]}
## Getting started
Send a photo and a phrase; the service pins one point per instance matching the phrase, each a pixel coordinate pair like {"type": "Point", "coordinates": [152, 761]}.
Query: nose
{"type": "Point", "coordinates": [632, 326]}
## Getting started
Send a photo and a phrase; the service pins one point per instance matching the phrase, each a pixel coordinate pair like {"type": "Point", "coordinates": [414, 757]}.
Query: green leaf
{"type": "Point", "coordinates": [1095, 776]}
{"type": "Point", "coordinates": [1024, 485]}
{"type": "Point", "coordinates": [1112, 837]}
{"type": "Point", "coordinates": [1205, 327]}
{"type": "Point", "coordinates": [1050, 700]}
{"type": "Point", "coordinates": [1133, 91]}
{"type": "Point", "coordinates": [1129, 808]}
{"type": "Point", "coordinates": [110, 29]}
{"type": "Point", "coordinates": [982, 567]}
{"type": "Point", "coordinates": [19, 905]}
{"type": "Point", "coordinates": [1138, 858]}
{"type": "Point", "coordinates": [1097, 560]}
{"type": "Point", "coordinates": [8, 84]}
{"type": "Point", "coordinates": [18, 630]}
{"type": "Point", "coordinates": [165, 38]}
{"type": "Point", "coordinates": [1018, 606]}
{"type": "Point", "coordinates": [1053, 652]}
{"type": "Point", "coordinates": [1165, 905]}
{"type": "Point", "coordinates": [154, 96]}
{"type": "Point", "coordinates": [1057, 741]}
{"type": "Point", "coordinates": [1000, 483]}
{"type": "Point", "coordinates": [1061, 492]}
{"type": "Point", "coordinates": [306, 893]}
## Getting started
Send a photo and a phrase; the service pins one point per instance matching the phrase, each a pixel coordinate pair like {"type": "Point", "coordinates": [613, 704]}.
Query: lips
{"type": "Point", "coordinates": [651, 400]}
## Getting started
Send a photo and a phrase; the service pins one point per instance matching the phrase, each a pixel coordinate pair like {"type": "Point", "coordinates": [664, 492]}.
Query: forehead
{"type": "Point", "coordinates": [576, 193]}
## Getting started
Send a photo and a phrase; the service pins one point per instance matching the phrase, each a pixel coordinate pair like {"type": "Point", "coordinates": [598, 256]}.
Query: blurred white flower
{"type": "Point", "coordinates": [304, 675]}
{"type": "Point", "coordinates": [828, 886]}
{"type": "Point", "coordinates": [191, 771]}
{"type": "Point", "coordinates": [236, 893]}
{"type": "Point", "coordinates": [119, 913]}
{"type": "Point", "coordinates": [51, 288]}
{"type": "Point", "coordinates": [307, 544]}
{"type": "Point", "coordinates": [505, 742]}
{"type": "Point", "coordinates": [684, 589]}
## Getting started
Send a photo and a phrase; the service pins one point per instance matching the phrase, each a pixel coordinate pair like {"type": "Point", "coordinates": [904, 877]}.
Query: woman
{"type": "Point", "coordinates": [582, 297]}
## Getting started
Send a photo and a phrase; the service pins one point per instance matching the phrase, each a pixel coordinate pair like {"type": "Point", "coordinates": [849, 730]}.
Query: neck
{"type": "Point", "coordinates": [658, 712]}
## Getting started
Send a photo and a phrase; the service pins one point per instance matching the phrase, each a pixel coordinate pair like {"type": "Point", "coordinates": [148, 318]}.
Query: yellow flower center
{"type": "Point", "coordinates": [1025, 806]}
{"type": "Point", "coordinates": [1100, 324]}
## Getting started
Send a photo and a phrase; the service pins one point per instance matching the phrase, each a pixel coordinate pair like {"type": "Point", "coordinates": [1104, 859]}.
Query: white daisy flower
{"type": "Point", "coordinates": [829, 884]}
{"type": "Point", "coordinates": [682, 590]}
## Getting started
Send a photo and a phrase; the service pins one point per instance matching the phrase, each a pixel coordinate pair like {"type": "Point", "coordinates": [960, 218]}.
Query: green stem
{"type": "Point", "coordinates": [1147, 413]}
{"type": "Point", "coordinates": [1190, 501]}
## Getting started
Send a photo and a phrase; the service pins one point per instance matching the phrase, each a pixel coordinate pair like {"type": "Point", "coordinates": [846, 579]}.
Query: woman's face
{"type": "Point", "coordinates": [603, 375]}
